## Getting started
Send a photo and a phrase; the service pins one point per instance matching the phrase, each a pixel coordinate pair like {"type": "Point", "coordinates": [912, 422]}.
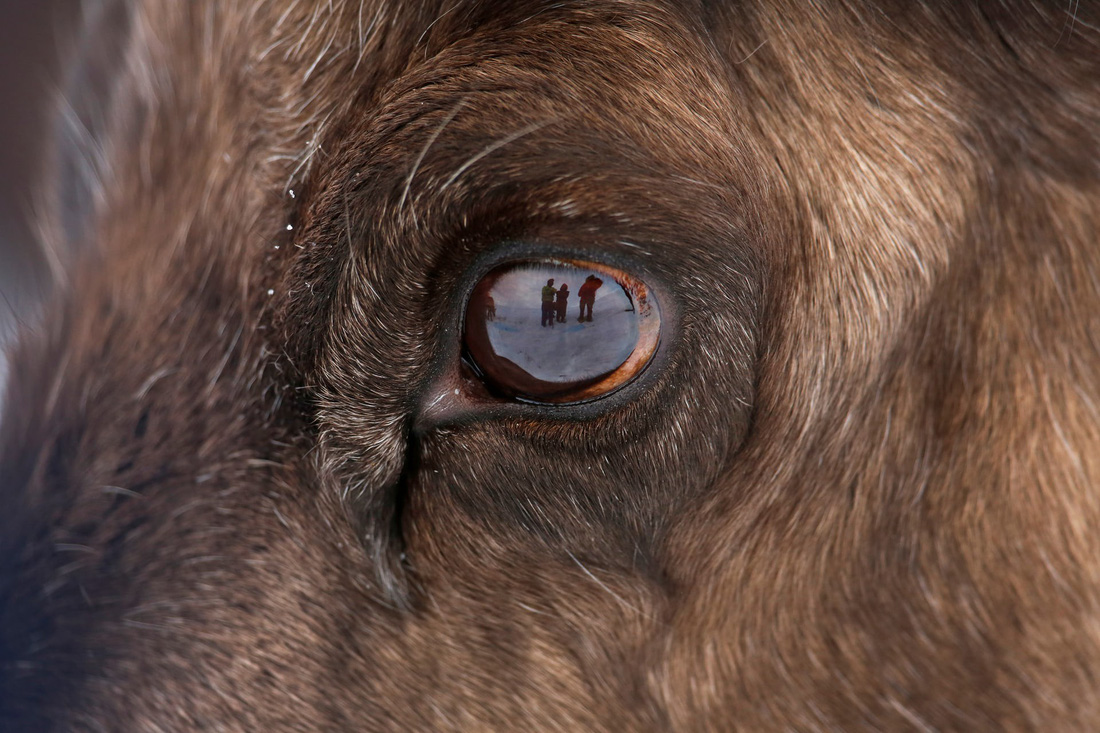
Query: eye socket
{"type": "Point", "coordinates": [560, 331]}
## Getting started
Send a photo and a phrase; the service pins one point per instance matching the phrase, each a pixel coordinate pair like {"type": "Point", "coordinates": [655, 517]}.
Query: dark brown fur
{"type": "Point", "coordinates": [858, 491]}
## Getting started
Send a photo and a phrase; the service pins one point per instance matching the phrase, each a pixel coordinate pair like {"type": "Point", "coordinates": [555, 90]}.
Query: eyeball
{"type": "Point", "coordinates": [560, 331]}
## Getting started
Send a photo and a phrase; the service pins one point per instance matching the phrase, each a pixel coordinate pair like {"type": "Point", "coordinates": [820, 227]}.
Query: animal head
{"type": "Point", "coordinates": [254, 474]}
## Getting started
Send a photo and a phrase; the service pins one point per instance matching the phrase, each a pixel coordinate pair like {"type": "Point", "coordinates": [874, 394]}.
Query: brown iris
{"type": "Point", "coordinates": [560, 331]}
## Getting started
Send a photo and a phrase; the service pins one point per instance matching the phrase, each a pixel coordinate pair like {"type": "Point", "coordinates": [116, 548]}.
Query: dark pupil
{"type": "Point", "coordinates": [559, 332]}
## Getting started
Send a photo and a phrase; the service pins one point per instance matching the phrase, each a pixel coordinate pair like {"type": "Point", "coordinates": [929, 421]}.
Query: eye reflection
{"type": "Point", "coordinates": [559, 331]}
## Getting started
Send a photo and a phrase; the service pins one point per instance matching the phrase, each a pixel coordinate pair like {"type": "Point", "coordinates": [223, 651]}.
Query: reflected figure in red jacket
{"type": "Point", "coordinates": [587, 296]}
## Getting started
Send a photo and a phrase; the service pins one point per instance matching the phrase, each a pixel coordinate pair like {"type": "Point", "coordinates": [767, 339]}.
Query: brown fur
{"type": "Point", "coordinates": [856, 492]}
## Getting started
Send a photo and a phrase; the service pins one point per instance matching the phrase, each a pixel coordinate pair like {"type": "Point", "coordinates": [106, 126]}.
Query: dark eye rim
{"type": "Point", "coordinates": [515, 251]}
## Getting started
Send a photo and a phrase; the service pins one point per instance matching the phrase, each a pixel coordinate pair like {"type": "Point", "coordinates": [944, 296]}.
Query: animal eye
{"type": "Point", "coordinates": [556, 331]}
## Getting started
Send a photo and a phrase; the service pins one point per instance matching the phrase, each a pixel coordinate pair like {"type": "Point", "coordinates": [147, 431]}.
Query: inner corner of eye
{"type": "Point", "coordinates": [560, 331]}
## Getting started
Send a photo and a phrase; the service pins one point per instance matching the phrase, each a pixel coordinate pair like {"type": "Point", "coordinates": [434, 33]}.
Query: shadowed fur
{"type": "Point", "coordinates": [856, 490]}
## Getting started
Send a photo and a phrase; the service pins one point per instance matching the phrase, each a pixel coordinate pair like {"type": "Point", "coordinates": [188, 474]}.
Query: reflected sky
{"type": "Point", "coordinates": [520, 283]}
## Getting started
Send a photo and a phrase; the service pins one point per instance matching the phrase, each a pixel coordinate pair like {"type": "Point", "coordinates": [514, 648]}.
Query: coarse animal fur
{"type": "Point", "coordinates": [248, 483]}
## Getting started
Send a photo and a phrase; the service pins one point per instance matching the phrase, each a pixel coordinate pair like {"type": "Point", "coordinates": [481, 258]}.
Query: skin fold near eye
{"type": "Point", "coordinates": [560, 331]}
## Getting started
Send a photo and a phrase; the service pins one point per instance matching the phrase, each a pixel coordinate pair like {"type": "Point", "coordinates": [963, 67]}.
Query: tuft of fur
{"type": "Point", "coordinates": [855, 492]}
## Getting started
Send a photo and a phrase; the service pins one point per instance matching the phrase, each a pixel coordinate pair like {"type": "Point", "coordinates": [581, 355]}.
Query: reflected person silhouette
{"type": "Point", "coordinates": [549, 309]}
{"type": "Point", "coordinates": [561, 303]}
{"type": "Point", "coordinates": [587, 296]}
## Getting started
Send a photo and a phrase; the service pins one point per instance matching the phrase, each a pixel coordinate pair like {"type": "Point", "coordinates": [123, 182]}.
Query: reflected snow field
{"type": "Point", "coordinates": [552, 329]}
{"type": "Point", "coordinates": [562, 352]}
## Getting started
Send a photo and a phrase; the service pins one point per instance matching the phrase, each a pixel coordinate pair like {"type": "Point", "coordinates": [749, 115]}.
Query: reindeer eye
{"type": "Point", "coordinates": [557, 331]}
